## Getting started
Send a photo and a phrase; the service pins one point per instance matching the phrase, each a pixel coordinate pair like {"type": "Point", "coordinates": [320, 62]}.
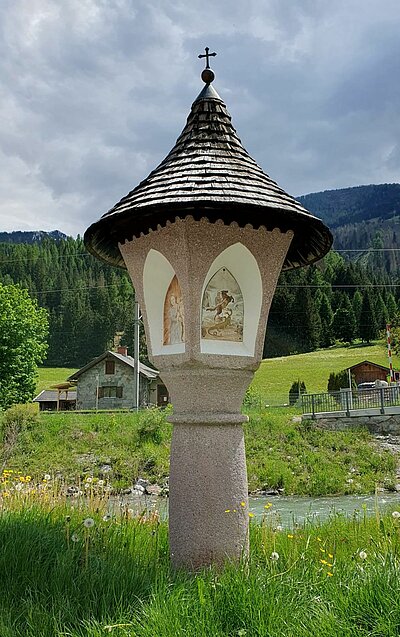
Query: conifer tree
{"type": "Point", "coordinates": [368, 326]}
{"type": "Point", "coordinates": [326, 316]}
{"type": "Point", "coordinates": [357, 305]}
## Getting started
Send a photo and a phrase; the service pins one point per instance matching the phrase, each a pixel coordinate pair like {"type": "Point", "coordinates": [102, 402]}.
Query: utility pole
{"type": "Point", "coordinates": [136, 323]}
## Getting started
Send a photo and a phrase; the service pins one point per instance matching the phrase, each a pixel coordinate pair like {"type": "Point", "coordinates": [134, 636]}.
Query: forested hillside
{"type": "Point", "coordinates": [89, 303]}
{"type": "Point", "coordinates": [363, 218]}
{"type": "Point", "coordinates": [352, 205]}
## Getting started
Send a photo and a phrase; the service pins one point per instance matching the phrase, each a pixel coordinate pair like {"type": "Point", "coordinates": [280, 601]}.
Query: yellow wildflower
{"type": "Point", "coordinates": [329, 574]}
{"type": "Point", "coordinates": [227, 510]}
{"type": "Point", "coordinates": [324, 562]}
{"type": "Point", "coordinates": [321, 549]}
{"type": "Point", "coordinates": [251, 515]}
{"type": "Point", "coordinates": [290, 536]}
{"type": "Point", "coordinates": [319, 539]}
{"type": "Point", "coordinates": [243, 504]}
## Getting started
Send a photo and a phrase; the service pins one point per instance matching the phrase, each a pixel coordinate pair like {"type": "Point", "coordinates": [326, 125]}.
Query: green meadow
{"type": "Point", "coordinates": [274, 377]}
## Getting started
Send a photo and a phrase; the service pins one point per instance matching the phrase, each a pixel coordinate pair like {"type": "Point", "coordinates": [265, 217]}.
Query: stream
{"type": "Point", "coordinates": [286, 510]}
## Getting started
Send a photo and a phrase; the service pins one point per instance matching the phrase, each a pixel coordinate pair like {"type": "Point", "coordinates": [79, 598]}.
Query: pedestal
{"type": "Point", "coordinates": [208, 508]}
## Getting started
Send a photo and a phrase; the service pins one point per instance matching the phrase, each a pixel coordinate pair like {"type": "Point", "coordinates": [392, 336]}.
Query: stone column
{"type": "Point", "coordinates": [206, 377]}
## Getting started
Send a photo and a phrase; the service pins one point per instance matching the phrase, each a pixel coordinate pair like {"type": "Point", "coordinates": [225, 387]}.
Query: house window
{"type": "Point", "coordinates": [110, 367]}
{"type": "Point", "coordinates": [110, 392]}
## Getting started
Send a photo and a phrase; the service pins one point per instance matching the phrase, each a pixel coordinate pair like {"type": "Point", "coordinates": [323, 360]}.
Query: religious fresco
{"type": "Point", "coordinates": [222, 308]}
{"type": "Point", "coordinates": [174, 315]}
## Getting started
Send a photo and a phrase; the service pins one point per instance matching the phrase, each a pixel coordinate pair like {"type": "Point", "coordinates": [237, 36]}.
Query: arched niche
{"type": "Point", "coordinates": [231, 303]}
{"type": "Point", "coordinates": [164, 305]}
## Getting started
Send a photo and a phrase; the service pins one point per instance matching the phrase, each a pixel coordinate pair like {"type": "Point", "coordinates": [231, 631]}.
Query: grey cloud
{"type": "Point", "coordinates": [95, 92]}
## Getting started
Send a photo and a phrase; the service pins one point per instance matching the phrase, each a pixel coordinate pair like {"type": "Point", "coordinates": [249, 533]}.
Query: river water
{"type": "Point", "coordinates": [289, 510]}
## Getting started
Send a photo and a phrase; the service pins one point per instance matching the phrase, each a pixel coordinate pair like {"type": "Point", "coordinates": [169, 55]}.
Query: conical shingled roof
{"type": "Point", "coordinates": [209, 174]}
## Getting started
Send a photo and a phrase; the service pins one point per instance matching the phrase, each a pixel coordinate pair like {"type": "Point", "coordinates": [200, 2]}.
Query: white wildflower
{"type": "Point", "coordinates": [47, 477]}
{"type": "Point", "coordinates": [18, 487]}
{"type": "Point", "coordinates": [279, 527]}
{"type": "Point", "coordinates": [89, 479]}
{"type": "Point", "coordinates": [274, 556]}
{"type": "Point", "coordinates": [88, 523]}
{"type": "Point", "coordinates": [107, 517]}
{"type": "Point", "coordinates": [362, 555]}
{"type": "Point", "coordinates": [100, 483]}
{"type": "Point", "coordinates": [396, 515]}
{"type": "Point", "coordinates": [75, 537]}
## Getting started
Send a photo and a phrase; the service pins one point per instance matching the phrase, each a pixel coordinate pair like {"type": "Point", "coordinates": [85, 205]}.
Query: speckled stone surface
{"type": "Point", "coordinates": [208, 507]}
{"type": "Point", "coordinates": [208, 467]}
{"type": "Point", "coordinates": [191, 247]}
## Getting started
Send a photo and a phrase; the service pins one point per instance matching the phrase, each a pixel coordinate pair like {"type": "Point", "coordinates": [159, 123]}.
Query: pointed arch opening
{"type": "Point", "coordinates": [164, 305]}
{"type": "Point", "coordinates": [231, 303]}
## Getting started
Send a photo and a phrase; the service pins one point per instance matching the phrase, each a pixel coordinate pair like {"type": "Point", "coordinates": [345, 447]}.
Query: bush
{"type": "Point", "coordinates": [150, 426]}
{"type": "Point", "coordinates": [252, 399]}
{"type": "Point", "coordinates": [19, 417]}
{"type": "Point", "coordinates": [297, 388]}
{"type": "Point", "coordinates": [340, 380]}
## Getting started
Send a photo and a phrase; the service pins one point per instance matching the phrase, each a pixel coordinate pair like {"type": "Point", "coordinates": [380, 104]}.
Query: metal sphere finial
{"type": "Point", "coordinates": [208, 74]}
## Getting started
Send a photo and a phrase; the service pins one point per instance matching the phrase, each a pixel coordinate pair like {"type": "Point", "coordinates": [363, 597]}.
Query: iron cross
{"type": "Point", "coordinates": [207, 56]}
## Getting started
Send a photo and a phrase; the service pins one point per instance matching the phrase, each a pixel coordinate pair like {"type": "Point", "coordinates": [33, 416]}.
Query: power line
{"type": "Point", "coordinates": [87, 254]}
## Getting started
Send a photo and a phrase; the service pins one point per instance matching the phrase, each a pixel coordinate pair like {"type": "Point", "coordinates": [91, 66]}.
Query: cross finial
{"type": "Point", "coordinates": [207, 56]}
{"type": "Point", "coordinates": [207, 74]}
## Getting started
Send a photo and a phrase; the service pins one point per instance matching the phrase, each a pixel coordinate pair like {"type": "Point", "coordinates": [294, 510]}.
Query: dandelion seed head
{"type": "Point", "coordinates": [88, 523]}
{"type": "Point", "coordinates": [75, 537]}
{"type": "Point", "coordinates": [396, 515]}
{"type": "Point", "coordinates": [274, 556]}
{"type": "Point", "coordinates": [362, 555]}
{"type": "Point", "coordinates": [47, 477]}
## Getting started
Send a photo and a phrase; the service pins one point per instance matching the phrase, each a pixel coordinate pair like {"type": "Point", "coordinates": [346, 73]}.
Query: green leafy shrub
{"type": "Point", "coordinates": [150, 426]}
{"type": "Point", "coordinates": [297, 388]}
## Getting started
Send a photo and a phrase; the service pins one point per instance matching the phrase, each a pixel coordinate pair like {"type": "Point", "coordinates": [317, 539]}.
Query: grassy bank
{"type": "Point", "coordinates": [281, 453]}
{"type": "Point", "coordinates": [92, 575]}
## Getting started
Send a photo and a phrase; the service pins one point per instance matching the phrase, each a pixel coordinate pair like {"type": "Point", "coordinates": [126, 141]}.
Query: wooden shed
{"type": "Point", "coordinates": [368, 372]}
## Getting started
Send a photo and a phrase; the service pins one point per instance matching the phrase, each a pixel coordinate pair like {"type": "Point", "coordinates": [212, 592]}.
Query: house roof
{"type": "Point", "coordinates": [146, 371]}
{"type": "Point", "coordinates": [386, 369]}
{"type": "Point", "coordinates": [51, 395]}
{"type": "Point", "coordinates": [208, 173]}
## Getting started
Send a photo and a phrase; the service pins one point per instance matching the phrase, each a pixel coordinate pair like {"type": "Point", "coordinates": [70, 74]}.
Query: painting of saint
{"type": "Point", "coordinates": [222, 308]}
{"type": "Point", "coordinates": [174, 316]}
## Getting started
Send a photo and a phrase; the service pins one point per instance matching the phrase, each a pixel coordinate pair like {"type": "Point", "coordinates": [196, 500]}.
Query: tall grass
{"type": "Point", "coordinates": [62, 578]}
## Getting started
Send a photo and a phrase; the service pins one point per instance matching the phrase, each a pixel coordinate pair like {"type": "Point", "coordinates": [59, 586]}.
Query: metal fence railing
{"type": "Point", "coordinates": [347, 400]}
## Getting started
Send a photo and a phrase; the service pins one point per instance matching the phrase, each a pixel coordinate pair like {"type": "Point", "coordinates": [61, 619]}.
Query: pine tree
{"type": "Point", "coordinates": [326, 316]}
{"type": "Point", "coordinates": [357, 305]}
{"type": "Point", "coordinates": [368, 326]}
{"type": "Point", "coordinates": [391, 306]}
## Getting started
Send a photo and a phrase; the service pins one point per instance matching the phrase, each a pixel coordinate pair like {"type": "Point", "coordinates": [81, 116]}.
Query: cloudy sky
{"type": "Point", "coordinates": [93, 94]}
